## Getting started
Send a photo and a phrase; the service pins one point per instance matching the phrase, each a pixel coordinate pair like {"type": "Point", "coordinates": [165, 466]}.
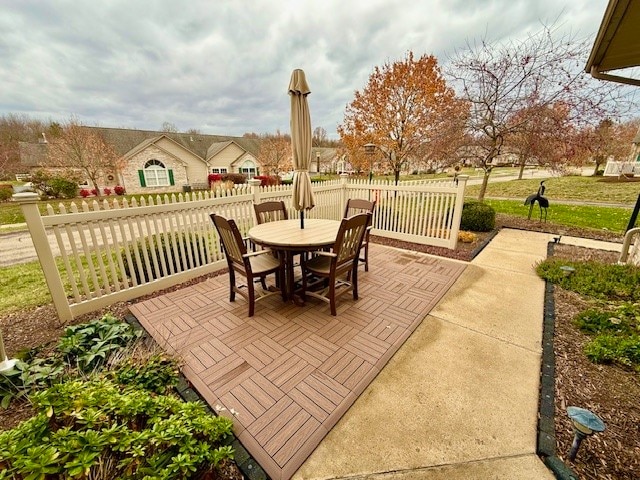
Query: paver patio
{"type": "Point", "coordinates": [289, 373]}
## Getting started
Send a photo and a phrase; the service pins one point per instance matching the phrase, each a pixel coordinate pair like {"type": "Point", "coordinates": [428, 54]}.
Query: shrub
{"type": "Point", "coordinates": [83, 426]}
{"type": "Point", "coordinates": [89, 345]}
{"type": "Point", "coordinates": [214, 177]}
{"type": "Point", "coordinates": [268, 180]}
{"type": "Point", "coordinates": [175, 244]}
{"type": "Point", "coordinates": [477, 217]}
{"type": "Point", "coordinates": [155, 374]}
{"type": "Point", "coordinates": [107, 191]}
{"type": "Point", "coordinates": [94, 191]}
{"type": "Point", "coordinates": [119, 190]}
{"type": "Point", "coordinates": [467, 237]}
{"type": "Point", "coordinates": [234, 177]}
{"type": "Point", "coordinates": [84, 193]}
{"type": "Point", "coordinates": [6, 191]}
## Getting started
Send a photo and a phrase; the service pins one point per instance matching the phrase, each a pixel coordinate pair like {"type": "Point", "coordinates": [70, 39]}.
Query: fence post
{"type": "Point", "coordinates": [344, 177]}
{"type": "Point", "coordinates": [461, 181]}
{"type": "Point", "coordinates": [254, 189]}
{"type": "Point", "coordinates": [28, 203]}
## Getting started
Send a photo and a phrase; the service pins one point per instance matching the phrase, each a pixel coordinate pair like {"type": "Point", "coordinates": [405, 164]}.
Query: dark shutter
{"type": "Point", "coordinates": [142, 181]}
{"type": "Point", "coordinates": [171, 182]}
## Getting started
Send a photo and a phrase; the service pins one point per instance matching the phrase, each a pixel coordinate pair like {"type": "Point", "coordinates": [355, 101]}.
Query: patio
{"type": "Point", "coordinates": [288, 374]}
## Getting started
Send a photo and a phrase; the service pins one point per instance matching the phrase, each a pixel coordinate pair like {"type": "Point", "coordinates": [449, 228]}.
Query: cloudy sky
{"type": "Point", "coordinates": [223, 66]}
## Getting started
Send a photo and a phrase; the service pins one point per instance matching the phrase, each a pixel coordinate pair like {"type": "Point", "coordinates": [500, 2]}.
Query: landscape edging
{"type": "Point", "coordinates": [243, 459]}
{"type": "Point", "coordinates": [546, 444]}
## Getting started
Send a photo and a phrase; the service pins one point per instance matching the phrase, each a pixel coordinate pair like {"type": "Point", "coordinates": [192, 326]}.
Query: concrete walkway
{"type": "Point", "coordinates": [459, 400]}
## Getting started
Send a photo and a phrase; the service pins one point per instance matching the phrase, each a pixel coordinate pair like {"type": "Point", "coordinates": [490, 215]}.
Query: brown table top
{"type": "Point", "coordinates": [287, 234]}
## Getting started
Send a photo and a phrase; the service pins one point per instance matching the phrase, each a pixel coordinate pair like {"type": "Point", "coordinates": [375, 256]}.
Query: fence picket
{"type": "Point", "coordinates": [177, 240]}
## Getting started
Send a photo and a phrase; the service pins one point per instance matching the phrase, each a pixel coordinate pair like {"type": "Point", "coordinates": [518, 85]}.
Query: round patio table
{"type": "Point", "coordinates": [287, 237]}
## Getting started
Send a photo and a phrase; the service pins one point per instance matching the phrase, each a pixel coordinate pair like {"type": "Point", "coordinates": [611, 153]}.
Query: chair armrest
{"type": "Point", "coordinates": [324, 254]}
{"type": "Point", "coordinates": [253, 254]}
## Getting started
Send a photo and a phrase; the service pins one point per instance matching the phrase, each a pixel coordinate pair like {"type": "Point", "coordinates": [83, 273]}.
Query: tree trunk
{"type": "Point", "coordinates": [396, 176]}
{"type": "Point", "coordinates": [521, 172]}
{"type": "Point", "coordinates": [483, 187]}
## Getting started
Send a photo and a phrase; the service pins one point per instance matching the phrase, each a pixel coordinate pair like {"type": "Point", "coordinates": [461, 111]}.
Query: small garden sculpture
{"type": "Point", "coordinates": [543, 203]}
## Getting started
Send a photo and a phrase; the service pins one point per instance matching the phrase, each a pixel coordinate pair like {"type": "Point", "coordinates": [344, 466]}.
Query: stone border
{"type": "Point", "coordinates": [243, 459]}
{"type": "Point", "coordinates": [546, 444]}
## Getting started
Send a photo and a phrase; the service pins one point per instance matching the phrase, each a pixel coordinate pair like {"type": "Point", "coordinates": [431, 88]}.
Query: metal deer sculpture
{"type": "Point", "coordinates": [543, 203]}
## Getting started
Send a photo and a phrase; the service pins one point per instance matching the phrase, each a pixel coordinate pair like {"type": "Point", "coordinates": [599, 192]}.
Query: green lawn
{"type": "Point", "coordinates": [595, 189]}
{"type": "Point", "coordinates": [583, 216]}
{"type": "Point", "coordinates": [22, 286]}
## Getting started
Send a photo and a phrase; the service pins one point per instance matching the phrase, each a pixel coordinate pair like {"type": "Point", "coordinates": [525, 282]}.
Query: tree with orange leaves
{"type": "Point", "coordinates": [405, 107]}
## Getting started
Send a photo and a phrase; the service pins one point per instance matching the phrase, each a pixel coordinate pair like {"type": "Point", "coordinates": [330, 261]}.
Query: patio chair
{"type": "Point", "coordinates": [341, 260]}
{"type": "Point", "coordinates": [270, 211]}
{"type": "Point", "coordinates": [253, 265]}
{"type": "Point", "coordinates": [355, 206]}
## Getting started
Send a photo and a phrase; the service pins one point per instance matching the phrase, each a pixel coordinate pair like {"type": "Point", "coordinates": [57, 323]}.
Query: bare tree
{"type": "Point", "coordinates": [275, 153]}
{"type": "Point", "coordinates": [82, 149]}
{"type": "Point", "coordinates": [499, 81]}
{"type": "Point", "coordinates": [168, 127]}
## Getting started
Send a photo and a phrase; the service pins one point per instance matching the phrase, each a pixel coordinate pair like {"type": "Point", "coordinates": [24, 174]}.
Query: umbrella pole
{"type": "Point", "coordinates": [302, 219]}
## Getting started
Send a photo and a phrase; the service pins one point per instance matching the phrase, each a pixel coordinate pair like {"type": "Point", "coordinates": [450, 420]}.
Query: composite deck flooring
{"type": "Point", "coordinates": [286, 375]}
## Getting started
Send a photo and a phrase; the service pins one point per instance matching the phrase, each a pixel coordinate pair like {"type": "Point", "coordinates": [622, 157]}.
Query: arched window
{"type": "Point", "coordinates": [249, 169]}
{"type": "Point", "coordinates": [155, 174]}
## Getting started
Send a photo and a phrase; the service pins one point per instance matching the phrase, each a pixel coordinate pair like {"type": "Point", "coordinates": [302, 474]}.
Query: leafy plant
{"type": "Point", "coordinates": [83, 425]}
{"type": "Point", "coordinates": [89, 345]}
{"type": "Point", "coordinates": [157, 374]}
{"type": "Point", "coordinates": [28, 376]}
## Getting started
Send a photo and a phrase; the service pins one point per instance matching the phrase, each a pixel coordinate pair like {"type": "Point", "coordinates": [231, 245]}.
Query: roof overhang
{"type": "Point", "coordinates": [617, 44]}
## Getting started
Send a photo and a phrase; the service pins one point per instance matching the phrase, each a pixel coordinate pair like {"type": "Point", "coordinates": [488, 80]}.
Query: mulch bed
{"type": "Point", "coordinates": [609, 391]}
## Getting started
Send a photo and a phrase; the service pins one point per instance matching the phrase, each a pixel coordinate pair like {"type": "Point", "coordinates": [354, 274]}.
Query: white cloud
{"type": "Point", "coordinates": [223, 67]}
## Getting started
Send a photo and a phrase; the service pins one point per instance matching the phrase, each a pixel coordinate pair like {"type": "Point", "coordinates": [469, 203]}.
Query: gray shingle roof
{"type": "Point", "coordinates": [124, 140]}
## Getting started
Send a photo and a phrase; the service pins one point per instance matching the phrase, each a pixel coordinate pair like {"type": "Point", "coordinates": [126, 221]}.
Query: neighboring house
{"type": "Point", "coordinates": [160, 161]}
{"type": "Point", "coordinates": [628, 168]}
{"type": "Point", "coordinates": [157, 162]}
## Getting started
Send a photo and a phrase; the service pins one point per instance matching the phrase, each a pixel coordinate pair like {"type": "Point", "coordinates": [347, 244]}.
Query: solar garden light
{"type": "Point", "coordinates": [5, 363]}
{"type": "Point", "coordinates": [585, 423]}
{"type": "Point", "coordinates": [567, 270]}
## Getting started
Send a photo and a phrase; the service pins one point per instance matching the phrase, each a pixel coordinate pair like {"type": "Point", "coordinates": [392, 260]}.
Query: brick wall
{"type": "Point", "coordinates": [131, 180]}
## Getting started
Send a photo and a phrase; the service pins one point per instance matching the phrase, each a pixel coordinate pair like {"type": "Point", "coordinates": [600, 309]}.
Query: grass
{"type": "Point", "coordinates": [22, 286]}
{"type": "Point", "coordinates": [588, 189]}
{"type": "Point", "coordinates": [613, 219]}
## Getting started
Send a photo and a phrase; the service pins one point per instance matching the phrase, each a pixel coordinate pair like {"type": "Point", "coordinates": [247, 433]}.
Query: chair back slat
{"type": "Point", "coordinates": [231, 238]}
{"type": "Point", "coordinates": [359, 205]}
{"type": "Point", "coordinates": [270, 211]}
{"type": "Point", "coordinates": [350, 237]}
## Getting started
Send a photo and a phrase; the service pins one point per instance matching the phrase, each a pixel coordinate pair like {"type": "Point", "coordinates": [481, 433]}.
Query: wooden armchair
{"type": "Point", "coordinates": [355, 206]}
{"type": "Point", "coordinates": [270, 211]}
{"type": "Point", "coordinates": [341, 260]}
{"type": "Point", "coordinates": [253, 265]}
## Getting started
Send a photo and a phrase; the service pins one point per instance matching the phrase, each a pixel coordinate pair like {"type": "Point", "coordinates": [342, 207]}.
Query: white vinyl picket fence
{"type": "Point", "coordinates": [118, 250]}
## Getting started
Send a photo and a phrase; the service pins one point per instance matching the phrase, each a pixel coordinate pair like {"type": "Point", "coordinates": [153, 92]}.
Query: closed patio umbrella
{"type": "Point", "coordinates": [301, 143]}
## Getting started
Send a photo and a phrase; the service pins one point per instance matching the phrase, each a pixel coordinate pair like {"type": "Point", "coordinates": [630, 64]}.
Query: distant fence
{"type": "Point", "coordinates": [119, 250]}
{"type": "Point", "coordinates": [615, 169]}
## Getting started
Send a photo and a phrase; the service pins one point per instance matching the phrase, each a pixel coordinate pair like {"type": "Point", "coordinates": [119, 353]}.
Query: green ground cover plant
{"type": "Point", "coordinates": [106, 409]}
{"type": "Point", "coordinates": [613, 320]}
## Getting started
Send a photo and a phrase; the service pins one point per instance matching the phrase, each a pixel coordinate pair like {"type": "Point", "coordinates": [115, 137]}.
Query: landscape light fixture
{"type": "Point", "coordinates": [370, 149]}
{"type": "Point", "coordinates": [585, 423]}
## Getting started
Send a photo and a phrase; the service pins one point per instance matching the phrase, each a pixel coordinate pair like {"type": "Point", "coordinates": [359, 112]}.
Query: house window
{"type": "Point", "coordinates": [249, 169]}
{"type": "Point", "coordinates": [219, 170]}
{"type": "Point", "coordinates": [155, 174]}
